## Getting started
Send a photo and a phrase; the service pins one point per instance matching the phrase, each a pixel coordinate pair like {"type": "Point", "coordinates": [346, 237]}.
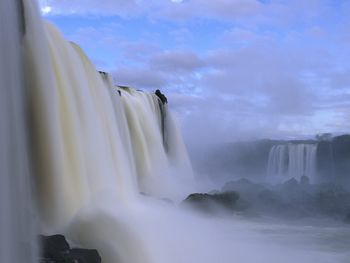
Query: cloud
{"type": "Point", "coordinates": [182, 36]}
{"type": "Point", "coordinates": [240, 67]}
{"type": "Point", "coordinates": [219, 9]}
{"type": "Point", "coordinates": [140, 78]}
{"type": "Point", "coordinates": [46, 10]}
{"type": "Point", "coordinates": [103, 7]}
{"type": "Point", "coordinates": [273, 85]}
{"type": "Point", "coordinates": [138, 51]}
{"type": "Point", "coordinates": [176, 61]}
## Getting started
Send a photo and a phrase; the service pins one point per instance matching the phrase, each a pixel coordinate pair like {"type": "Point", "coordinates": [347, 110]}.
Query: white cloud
{"type": "Point", "coordinates": [104, 7]}
{"type": "Point", "coordinates": [276, 66]}
{"type": "Point", "coordinates": [140, 78]}
{"type": "Point", "coordinates": [176, 61]}
{"type": "Point", "coordinates": [46, 10]}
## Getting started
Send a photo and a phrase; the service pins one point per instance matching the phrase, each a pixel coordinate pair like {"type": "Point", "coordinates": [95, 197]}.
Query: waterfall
{"type": "Point", "coordinates": [292, 160]}
{"type": "Point", "coordinates": [95, 147]}
{"type": "Point", "coordinates": [155, 149]}
{"type": "Point", "coordinates": [17, 237]}
{"type": "Point", "coordinates": [277, 162]}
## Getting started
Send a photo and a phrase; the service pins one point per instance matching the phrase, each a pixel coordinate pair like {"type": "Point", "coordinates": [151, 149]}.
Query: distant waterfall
{"type": "Point", "coordinates": [17, 236]}
{"type": "Point", "coordinates": [278, 160]}
{"type": "Point", "coordinates": [292, 160]}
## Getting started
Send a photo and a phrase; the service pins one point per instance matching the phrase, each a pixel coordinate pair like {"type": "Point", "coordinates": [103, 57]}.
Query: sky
{"type": "Point", "coordinates": [231, 69]}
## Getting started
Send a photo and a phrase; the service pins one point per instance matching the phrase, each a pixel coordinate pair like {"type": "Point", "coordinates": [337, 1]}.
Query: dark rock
{"type": "Point", "coordinates": [341, 157]}
{"type": "Point", "coordinates": [161, 96]}
{"type": "Point", "coordinates": [162, 101]}
{"type": "Point", "coordinates": [85, 255]}
{"type": "Point", "coordinates": [289, 201]}
{"type": "Point", "coordinates": [210, 202]}
{"type": "Point", "coordinates": [325, 164]}
{"type": "Point", "coordinates": [55, 249]}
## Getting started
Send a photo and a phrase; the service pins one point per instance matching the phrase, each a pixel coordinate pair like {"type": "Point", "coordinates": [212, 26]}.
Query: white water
{"type": "Point", "coordinates": [94, 151]}
{"type": "Point", "coordinates": [292, 161]}
{"type": "Point", "coordinates": [155, 162]}
{"type": "Point", "coordinates": [17, 240]}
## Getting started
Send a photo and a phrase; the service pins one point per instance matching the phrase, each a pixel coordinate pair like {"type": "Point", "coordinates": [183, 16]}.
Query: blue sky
{"type": "Point", "coordinates": [231, 68]}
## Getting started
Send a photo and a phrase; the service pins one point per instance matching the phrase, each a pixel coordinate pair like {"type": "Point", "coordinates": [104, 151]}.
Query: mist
{"type": "Point", "coordinates": [175, 131]}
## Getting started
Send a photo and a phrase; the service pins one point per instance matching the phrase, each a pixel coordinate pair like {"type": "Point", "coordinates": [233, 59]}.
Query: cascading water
{"type": "Point", "coordinates": [95, 147]}
{"type": "Point", "coordinates": [292, 160]}
{"type": "Point", "coordinates": [278, 160]}
{"type": "Point", "coordinates": [155, 150]}
{"type": "Point", "coordinates": [17, 237]}
{"type": "Point", "coordinates": [302, 160]}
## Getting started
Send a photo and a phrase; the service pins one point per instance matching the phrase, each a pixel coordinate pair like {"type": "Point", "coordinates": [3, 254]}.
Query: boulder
{"type": "Point", "coordinates": [85, 255]}
{"type": "Point", "coordinates": [211, 202]}
{"type": "Point", "coordinates": [55, 249]}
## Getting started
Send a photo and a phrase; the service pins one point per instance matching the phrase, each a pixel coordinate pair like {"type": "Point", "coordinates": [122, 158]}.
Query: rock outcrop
{"type": "Point", "coordinates": [291, 200]}
{"type": "Point", "coordinates": [55, 249]}
{"type": "Point", "coordinates": [206, 202]}
{"type": "Point", "coordinates": [161, 96]}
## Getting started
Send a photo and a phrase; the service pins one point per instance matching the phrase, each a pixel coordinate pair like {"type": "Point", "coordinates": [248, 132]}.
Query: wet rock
{"type": "Point", "coordinates": [55, 249]}
{"type": "Point", "coordinates": [85, 255]}
{"type": "Point", "coordinates": [161, 96]}
{"type": "Point", "coordinates": [211, 202]}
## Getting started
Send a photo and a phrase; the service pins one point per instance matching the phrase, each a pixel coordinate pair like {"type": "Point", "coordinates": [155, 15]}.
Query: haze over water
{"type": "Point", "coordinates": [107, 165]}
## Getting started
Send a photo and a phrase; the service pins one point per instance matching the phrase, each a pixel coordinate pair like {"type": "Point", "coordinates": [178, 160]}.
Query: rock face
{"type": "Point", "coordinates": [341, 151]}
{"type": "Point", "coordinates": [55, 249]}
{"type": "Point", "coordinates": [212, 202]}
{"type": "Point", "coordinates": [161, 96]}
{"type": "Point", "coordinates": [325, 164]}
{"type": "Point", "coordinates": [333, 160]}
{"type": "Point", "coordinates": [291, 200]}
